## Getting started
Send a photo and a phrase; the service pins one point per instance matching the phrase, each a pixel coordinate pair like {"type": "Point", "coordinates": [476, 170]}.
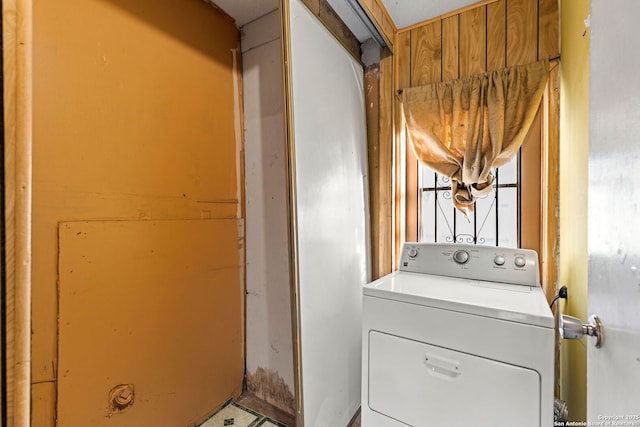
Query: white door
{"type": "Point", "coordinates": [329, 178]}
{"type": "Point", "coordinates": [613, 371]}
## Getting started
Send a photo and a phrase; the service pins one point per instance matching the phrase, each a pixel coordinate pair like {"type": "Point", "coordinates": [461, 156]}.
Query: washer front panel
{"type": "Point", "coordinates": [420, 384]}
{"type": "Point", "coordinates": [507, 342]}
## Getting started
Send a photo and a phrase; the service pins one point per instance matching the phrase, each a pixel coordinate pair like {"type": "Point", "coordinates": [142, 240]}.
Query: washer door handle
{"type": "Point", "coordinates": [442, 367]}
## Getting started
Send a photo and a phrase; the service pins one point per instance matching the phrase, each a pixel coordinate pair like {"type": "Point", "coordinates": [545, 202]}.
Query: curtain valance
{"type": "Point", "coordinates": [464, 128]}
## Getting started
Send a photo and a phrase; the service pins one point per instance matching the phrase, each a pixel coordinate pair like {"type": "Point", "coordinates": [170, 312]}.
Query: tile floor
{"type": "Point", "coordinates": [236, 415]}
{"type": "Point", "coordinates": [244, 413]}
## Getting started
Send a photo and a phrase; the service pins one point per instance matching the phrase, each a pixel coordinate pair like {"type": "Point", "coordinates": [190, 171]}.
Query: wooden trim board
{"type": "Point", "coordinates": [17, 53]}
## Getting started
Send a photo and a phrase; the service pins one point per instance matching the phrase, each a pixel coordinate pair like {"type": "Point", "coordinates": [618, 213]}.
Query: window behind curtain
{"type": "Point", "coordinates": [494, 222]}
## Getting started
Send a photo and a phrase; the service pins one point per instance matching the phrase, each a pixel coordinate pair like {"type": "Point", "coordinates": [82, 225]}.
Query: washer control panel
{"type": "Point", "coordinates": [488, 263]}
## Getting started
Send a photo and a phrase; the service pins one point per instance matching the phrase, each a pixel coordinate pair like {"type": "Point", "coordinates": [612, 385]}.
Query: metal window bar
{"type": "Point", "coordinates": [436, 189]}
{"type": "Point", "coordinates": [519, 196]}
{"type": "Point", "coordinates": [498, 206]}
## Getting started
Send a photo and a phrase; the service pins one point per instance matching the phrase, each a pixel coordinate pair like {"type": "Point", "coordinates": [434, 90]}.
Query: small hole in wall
{"type": "Point", "coordinates": [121, 398]}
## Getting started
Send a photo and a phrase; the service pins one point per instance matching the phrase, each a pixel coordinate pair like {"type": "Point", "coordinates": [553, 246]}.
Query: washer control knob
{"type": "Point", "coordinates": [461, 256]}
{"type": "Point", "coordinates": [520, 261]}
{"type": "Point", "coordinates": [499, 260]}
{"type": "Point", "coordinates": [412, 252]}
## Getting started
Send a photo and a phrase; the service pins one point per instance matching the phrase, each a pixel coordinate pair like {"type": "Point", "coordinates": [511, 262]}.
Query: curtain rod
{"type": "Point", "coordinates": [554, 58]}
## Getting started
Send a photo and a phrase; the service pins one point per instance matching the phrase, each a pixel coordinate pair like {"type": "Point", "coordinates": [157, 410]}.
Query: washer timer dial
{"type": "Point", "coordinates": [461, 256]}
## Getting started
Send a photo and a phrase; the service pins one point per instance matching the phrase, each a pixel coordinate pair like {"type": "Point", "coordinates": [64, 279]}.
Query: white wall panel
{"type": "Point", "coordinates": [330, 176]}
{"type": "Point", "coordinates": [269, 335]}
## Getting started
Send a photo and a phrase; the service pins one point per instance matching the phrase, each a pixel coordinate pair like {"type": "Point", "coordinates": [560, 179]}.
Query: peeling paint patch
{"type": "Point", "coordinates": [269, 386]}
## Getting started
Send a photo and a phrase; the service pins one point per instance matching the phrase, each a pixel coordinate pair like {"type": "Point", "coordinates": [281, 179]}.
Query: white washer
{"type": "Point", "coordinates": [460, 336]}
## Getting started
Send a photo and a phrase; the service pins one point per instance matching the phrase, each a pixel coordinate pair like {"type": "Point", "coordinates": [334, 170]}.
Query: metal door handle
{"type": "Point", "coordinates": [572, 328]}
{"type": "Point", "coordinates": [442, 367]}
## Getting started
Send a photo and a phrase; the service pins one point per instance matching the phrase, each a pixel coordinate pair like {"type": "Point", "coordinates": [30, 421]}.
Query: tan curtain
{"type": "Point", "coordinates": [464, 128]}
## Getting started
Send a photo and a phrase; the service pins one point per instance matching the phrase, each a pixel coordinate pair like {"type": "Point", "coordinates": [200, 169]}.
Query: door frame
{"type": "Point", "coordinates": [17, 24]}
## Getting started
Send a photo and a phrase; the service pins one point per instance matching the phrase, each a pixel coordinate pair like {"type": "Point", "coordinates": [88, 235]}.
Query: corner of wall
{"type": "Point", "coordinates": [269, 373]}
{"type": "Point", "coordinates": [574, 156]}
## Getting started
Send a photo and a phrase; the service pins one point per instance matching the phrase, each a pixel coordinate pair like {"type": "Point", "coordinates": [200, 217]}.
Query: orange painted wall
{"type": "Point", "coordinates": [135, 118]}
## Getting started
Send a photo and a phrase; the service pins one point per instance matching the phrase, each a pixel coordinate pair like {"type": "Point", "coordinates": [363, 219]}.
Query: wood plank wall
{"type": "Point", "coordinates": [485, 37]}
{"type": "Point", "coordinates": [378, 80]}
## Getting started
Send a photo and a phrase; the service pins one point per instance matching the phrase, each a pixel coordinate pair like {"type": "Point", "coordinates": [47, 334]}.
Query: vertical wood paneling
{"type": "Point", "coordinates": [450, 51]}
{"type": "Point", "coordinates": [551, 183]}
{"type": "Point", "coordinates": [473, 41]}
{"type": "Point", "coordinates": [522, 32]}
{"type": "Point", "coordinates": [402, 78]}
{"type": "Point", "coordinates": [402, 61]}
{"type": "Point", "coordinates": [487, 38]}
{"type": "Point", "coordinates": [386, 164]}
{"type": "Point", "coordinates": [548, 23]}
{"type": "Point", "coordinates": [372, 111]}
{"type": "Point", "coordinates": [530, 185]}
{"type": "Point", "coordinates": [496, 35]}
{"type": "Point", "coordinates": [426, 54]}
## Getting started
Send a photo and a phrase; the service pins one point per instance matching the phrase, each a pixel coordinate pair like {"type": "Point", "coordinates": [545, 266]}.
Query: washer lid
{"type": "Point", "coordinates": [515, 303]}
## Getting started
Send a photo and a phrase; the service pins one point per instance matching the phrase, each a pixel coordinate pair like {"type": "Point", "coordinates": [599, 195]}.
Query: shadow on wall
{"type": "Point", "coordinates": [169, 17]}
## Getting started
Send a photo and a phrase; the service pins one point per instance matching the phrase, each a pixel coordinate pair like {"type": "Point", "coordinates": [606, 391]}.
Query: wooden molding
{"type": "Point", "coordinates": [379, 109]}
{"type": "Point", "coordinates": [381, 19]}
{"type": "Point", "coordinates": [291, 203]}
{"type": "Point", "coordinates": [550, 233]}
{"type": "Point", "coordinates": [17, 18]}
